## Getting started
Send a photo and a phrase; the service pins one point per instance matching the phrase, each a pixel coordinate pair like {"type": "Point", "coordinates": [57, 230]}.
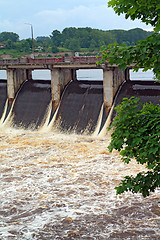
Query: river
{"type": "Point", "coordinates": [61, 186]}
{"type": "Point", "coordinates": [93, 74]}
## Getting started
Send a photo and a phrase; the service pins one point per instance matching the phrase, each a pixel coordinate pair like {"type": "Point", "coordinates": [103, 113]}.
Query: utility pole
{"type": "Point", "coordinates": [32, 55]}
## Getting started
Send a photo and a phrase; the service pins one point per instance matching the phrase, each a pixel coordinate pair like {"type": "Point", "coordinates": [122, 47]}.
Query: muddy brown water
{"type": "Point", "coordinates": [57, 186]}
{"type": "Point", "coordinates": [61, 186]}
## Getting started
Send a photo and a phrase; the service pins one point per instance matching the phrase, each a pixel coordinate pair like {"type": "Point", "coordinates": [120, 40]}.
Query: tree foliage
{"type": "Point", "coordinates": [146, 53]}
{"type": "Point", "coordinates": [148, 11]}
{"type": "Point", "coordinates": [137, 135]}
{"type": "Point", "coordinates": [5, 36]}
{"type": "Point", "coordinates": [74, 39]}
{"type": "Point", "coordinates": [136, 131]}
{"type": "Point", "coordinates": [94, 38]}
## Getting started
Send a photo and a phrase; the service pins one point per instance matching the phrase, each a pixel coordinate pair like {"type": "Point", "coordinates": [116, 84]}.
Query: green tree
{"type": "Point", "coordinates": [23, 46]}
{"type": "Point", "coordinates": [86, 38]}
{"type": "Point", "coordinates": [5, 36]}
{"type": "Point", "coordinates": [56, 38]}
{"type": "Point", "coordinates": [66, 43]}
{"type": "Point", "coordinates": [148, 11]}
{"type": "Point", "coordinates": [146, 55]}
{"type": "Point", "coordinates": [9, 44]}
{"type": "Point", "coordinates": [136, 133]}
{"type": "Point", "coordinates": [55, 49]}
{"type": "Point", "coordinates": [68, 33]}
{"type": "Point", "coordinates": [92, 46]}
{"type": "Point", "coordinates": [147, 52]}
{"type": "Point", "coordinates": [74, 45]}
{"type": "Point", "coordinates": [42, 39]}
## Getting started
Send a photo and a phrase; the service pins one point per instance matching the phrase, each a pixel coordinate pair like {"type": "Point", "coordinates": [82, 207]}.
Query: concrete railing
{"type": "Point", "coordinates": [62, 60]}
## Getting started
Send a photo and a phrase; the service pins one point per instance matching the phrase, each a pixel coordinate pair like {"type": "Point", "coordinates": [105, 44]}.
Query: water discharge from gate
{"type": "Point", "coordinates": [61, 186]}
{"type": "Point", "coordinates": [57, 186]}
{"type": "Point", "coordinates": [32, 105]}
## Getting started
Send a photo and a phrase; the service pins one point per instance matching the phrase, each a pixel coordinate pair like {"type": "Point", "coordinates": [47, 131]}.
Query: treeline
{"type": "Point", "coordinates": [92, 39]}
{"type": "Point", "coordinates": [72, 39]}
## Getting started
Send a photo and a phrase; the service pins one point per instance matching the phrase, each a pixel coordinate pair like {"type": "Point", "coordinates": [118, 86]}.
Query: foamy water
{"type": "Point", "coordinates": [57, 186]}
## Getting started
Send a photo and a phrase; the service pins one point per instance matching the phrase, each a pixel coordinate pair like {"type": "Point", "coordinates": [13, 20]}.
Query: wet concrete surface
{"type": "Point", "coordinates": [32, 102]}
{"type": "Point", "coordinates": [146, 91]}
{"type": "Point", "coordinates": [80, 106]}
{"type": "Point", "coordinates": [3, 95]}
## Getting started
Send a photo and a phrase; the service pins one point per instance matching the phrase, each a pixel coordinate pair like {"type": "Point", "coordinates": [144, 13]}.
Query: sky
{"type": "Point", "coordinates": [48, 15]}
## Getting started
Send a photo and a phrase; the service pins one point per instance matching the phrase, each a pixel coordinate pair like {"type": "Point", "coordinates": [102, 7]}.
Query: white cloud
{"type": "Point", "coordinates": [149, 29]}
{"type": "Point", "coordinates": [59, 15]}
{"type": "Point", "coordinates": [99, 17]}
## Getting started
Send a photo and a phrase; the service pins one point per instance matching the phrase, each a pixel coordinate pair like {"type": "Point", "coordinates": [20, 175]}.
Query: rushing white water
{"type": "Point", "coordinates": [57, 186]}
{"type": "Point", "coordinates": [61, 186]}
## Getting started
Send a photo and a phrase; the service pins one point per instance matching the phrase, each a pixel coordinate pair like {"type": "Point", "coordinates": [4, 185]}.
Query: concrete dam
{"type": "Point", "coordinates": [65, 103]}
{"type": "Point", "coordinates": [78, 111]}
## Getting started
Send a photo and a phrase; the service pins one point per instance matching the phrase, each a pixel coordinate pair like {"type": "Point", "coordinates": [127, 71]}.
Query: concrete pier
{"type": "Point", "coordinates": [15, 77]}
{"type": "Point", "coordinates": [62, 71]}
{"type": "Point", "coordinates": [59, 79]}
{"type": "Point", "coordinates": [29, 74]}
{"type": "Point", "coordinates": [112, 79]}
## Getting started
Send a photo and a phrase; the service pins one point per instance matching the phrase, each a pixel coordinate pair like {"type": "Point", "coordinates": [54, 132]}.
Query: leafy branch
{"type": "Point", "coordinates": [137, 135]}
{"type": "Point", "coordinates": [146, 55]}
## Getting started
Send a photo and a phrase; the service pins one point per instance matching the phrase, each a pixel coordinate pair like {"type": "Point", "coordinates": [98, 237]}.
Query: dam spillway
{"type": "Point", "coordinates": [3, 96]}
{"type": "Point", "coordinates": [80, 106]}
{"type": "Point", "coordinates": [146, 91]}
{"type": "Point", "coordinates": [61, 186]}
{"type": "Point", "coordinates": [31, 105]}
{"type": "Point", "coordinates": [78, 111]}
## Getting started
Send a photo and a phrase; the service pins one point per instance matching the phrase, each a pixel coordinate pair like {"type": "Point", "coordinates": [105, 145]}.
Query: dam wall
{"type": "Point", "coordinates": [112, 79]}
{"type": "Point", "coordinates": [78, 103]}
{"type": "Point", "coordinates": [59, 79]}
{"type": "Point", "coordinates": [15, 77]}
{"type": "Point", "coordinates": [62, 71]}
{"type": "Point", "coordinates": [81, 106]}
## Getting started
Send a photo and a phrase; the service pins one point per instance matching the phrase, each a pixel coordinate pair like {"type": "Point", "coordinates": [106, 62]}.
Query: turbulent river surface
{"type": "Point", "coordinates": [61, 186]}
